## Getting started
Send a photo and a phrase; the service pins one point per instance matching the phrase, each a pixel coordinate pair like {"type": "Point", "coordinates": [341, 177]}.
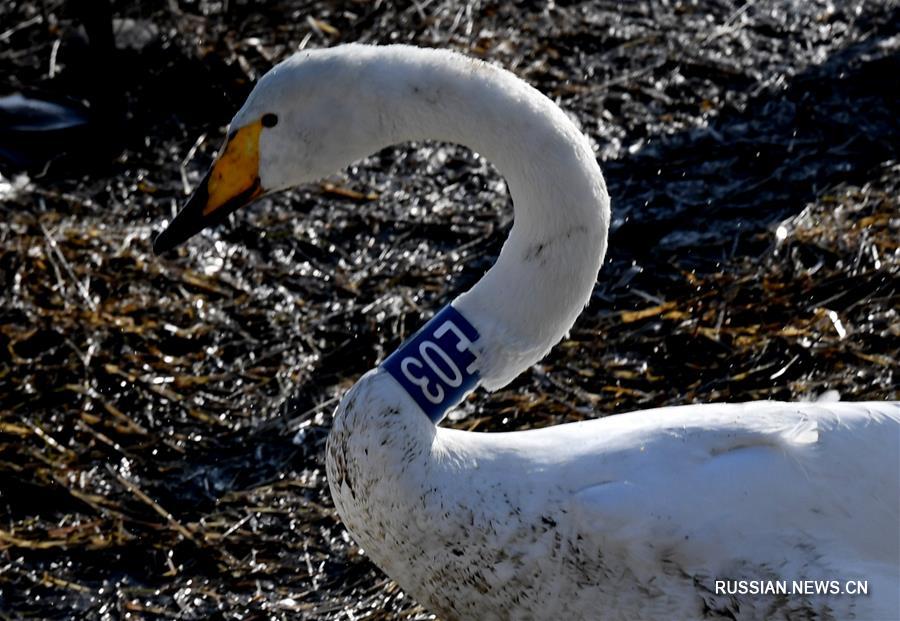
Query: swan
{"type": "Point", "coordinates": [714, 511]}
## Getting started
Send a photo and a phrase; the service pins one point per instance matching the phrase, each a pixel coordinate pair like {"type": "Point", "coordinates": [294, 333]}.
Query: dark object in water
{"type": "Point", "coordinates": [36, 131]}
{"type": "Point", "coordinates": [39, 129]}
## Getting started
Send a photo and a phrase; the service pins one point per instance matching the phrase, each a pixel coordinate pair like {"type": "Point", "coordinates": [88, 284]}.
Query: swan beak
{"type": "Point", "coordinates": [231, 183]}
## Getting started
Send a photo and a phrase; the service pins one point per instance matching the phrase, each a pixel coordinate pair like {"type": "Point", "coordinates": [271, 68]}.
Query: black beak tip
{"type": "Point", "coordinates": [192, 219]}
{"type": "Point", "coordinates": [162, 244]}
{"type": "Point", "coordinates": [187, 223]}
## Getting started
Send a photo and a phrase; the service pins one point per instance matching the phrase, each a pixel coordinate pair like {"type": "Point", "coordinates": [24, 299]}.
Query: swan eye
{"type": "Point", "coordinates": [269, 120]}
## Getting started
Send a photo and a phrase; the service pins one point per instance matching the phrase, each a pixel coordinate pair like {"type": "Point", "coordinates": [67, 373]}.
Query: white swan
{"type": "Point", "coordinates": [635, 516]}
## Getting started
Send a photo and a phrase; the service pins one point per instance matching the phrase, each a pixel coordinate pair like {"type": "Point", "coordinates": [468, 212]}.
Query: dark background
{"type": "Point", "coordinates": [148, 405]}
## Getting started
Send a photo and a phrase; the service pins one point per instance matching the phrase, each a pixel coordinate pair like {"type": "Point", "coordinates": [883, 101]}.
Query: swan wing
{"type": "Point", "coordinates": [753, 491]}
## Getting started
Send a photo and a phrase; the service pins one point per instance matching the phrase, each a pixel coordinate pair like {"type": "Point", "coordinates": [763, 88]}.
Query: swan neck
{"type": "Point", "coordinates": [547, 267]}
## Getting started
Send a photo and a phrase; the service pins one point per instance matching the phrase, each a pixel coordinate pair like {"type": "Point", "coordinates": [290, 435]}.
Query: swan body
{"type": "Point", "coordinates": [635, 516]}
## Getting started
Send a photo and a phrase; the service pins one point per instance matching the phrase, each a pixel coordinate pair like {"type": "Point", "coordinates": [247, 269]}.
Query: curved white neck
{"type": "Point", "coordinates": [547, 268]}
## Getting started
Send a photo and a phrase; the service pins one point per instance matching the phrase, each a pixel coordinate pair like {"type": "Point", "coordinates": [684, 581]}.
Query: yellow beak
{"type": "Point", "coordinates": [231, 183]}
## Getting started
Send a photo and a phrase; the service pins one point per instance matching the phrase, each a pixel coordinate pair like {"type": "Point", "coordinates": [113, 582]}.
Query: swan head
{"type": "Point", "coordinates": [303, 121]}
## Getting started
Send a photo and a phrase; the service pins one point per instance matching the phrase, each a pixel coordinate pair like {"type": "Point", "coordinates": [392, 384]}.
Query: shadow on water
{"type": "Point", "coordinates": [692, 193]}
